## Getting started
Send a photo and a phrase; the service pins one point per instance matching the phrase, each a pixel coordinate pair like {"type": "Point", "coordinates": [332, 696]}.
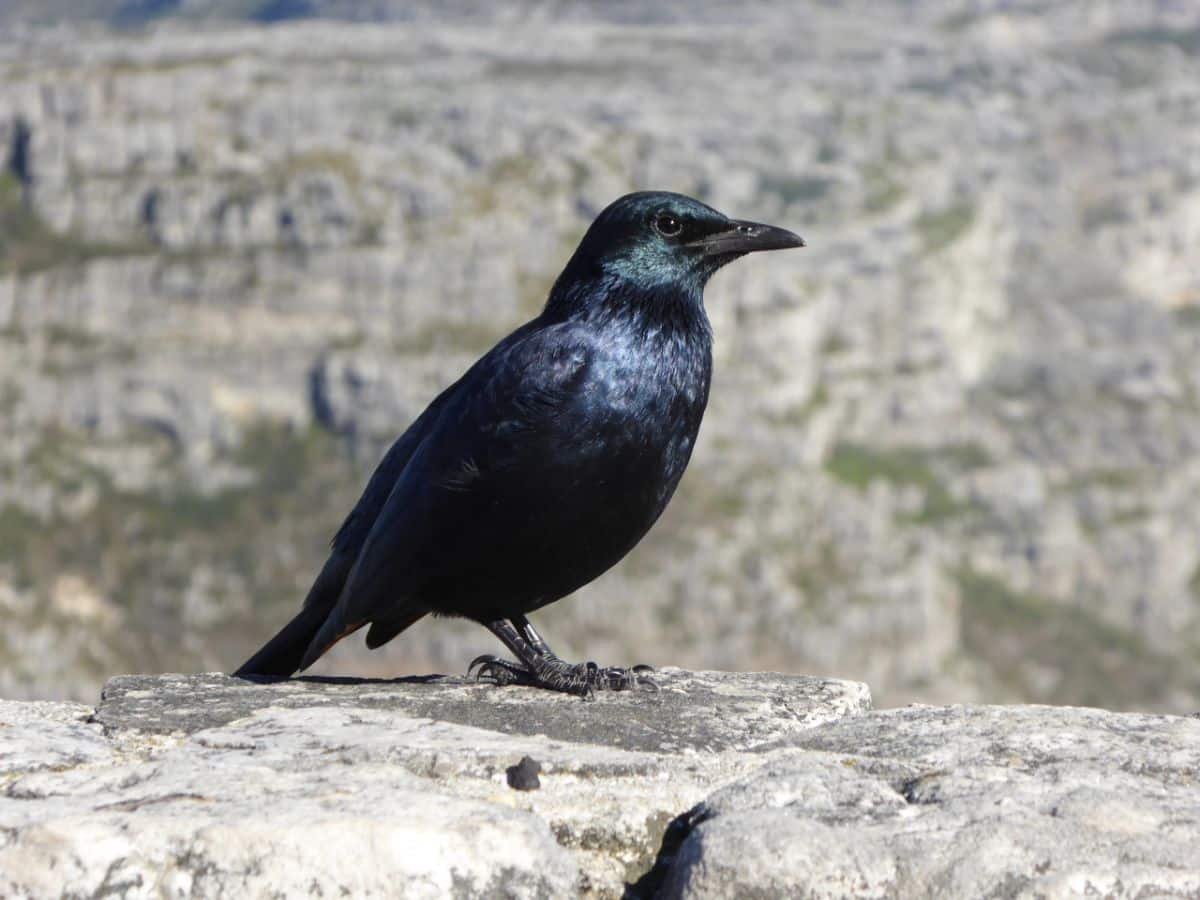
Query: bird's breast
{"type": "Point", "coordinates": [636, 426]}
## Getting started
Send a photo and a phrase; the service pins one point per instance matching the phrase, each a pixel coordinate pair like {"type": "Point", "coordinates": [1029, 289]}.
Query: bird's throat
{"type": "Point", "coordinates": [672, 310]}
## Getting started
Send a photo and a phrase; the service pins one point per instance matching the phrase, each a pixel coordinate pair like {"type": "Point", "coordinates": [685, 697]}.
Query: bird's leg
{"type": "Point", "coordinates": [536, 641]}
{"type": "Point", "coordinates": [542, 668]}
{"type": "Point", "coordinates": [612, 678]}
{"type": "Point", "coordinates": [534, 654]}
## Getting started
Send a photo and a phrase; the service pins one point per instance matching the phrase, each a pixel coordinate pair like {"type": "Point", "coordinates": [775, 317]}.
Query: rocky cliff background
{"type": "Point", "coordinates": [951, 448]}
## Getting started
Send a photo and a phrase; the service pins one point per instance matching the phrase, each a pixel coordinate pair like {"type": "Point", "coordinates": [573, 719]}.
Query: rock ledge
{"type": "Point", "coordinates": [718, 785]}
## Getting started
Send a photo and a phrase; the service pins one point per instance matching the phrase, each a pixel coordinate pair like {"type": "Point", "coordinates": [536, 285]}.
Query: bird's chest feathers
{"type": "Point", "coordinates": [640, 408]}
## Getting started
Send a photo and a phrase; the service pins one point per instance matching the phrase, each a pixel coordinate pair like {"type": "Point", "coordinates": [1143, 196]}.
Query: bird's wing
{"type": "Point", "coordinates": [349, 538]}
{"type": "Point", "coordinates": [348, 542]}
{"type": "Point", "coordinates": [478, 422]}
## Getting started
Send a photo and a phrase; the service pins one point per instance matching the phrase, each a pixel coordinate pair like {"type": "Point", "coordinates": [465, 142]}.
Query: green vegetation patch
{"type": "Point", "coordinates": [313, 161]}
{"type": "Point", "coordinates": [164, 65]}
{"type": "Point", "coordinates": [797, 188]}
{"type": "Point", "coordinates": [940, 229]}
{"type": "Point", "coordinates": [858, 466]}
{"type": "Point", "coordinates": [1115, 479]}
{"type": "Point", "coordinates": [558, 68]}
{"type": "Point", "coordinates": [1021, 635]}
{"type": "Point", "coordinates": [883, 191]}
{"type": "Point", "coordinates": [16, 525]}
{"type": "Point", "coordinates": [957, 21]}
{"type": "Point", "coordinates": [10, 397]}
{"type": "Point", "coordinates": [1102, 213]}
{"type": "Point", "coordinates": [1188, 315]}
{"type": "Point", "coordinates": [1186, 39]}
{"type": "Point", "coordinates": [817, 573]}
{"type": "Point", "coordinates": [1194, 583]}
{"type": "Point", "coordinates": [835, 344]}
{"type": "Point", "coordinates": [28, 245]}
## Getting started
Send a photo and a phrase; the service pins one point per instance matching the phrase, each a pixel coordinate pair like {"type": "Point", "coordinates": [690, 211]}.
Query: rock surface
{"type": "Point", "coordinates": [205, 785]}
{"type": "Point", "coordinates": [708, 711]}
{"type": "Point", "coordinates": [959, 802]}
{"type": "Point", "coordinates": [718, 785]}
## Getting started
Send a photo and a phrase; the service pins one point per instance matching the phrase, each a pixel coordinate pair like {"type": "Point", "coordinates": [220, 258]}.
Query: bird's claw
{"type": "Point", "coordinates": [498, 671]}
{"type": "Point", "coordinates": [617, 678]}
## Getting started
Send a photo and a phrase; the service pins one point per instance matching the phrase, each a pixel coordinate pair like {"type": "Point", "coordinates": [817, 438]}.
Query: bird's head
{"type": "Point", "coordinates": [653, 238]}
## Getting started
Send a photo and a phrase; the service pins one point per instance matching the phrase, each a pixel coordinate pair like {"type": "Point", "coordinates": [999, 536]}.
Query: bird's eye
{"type": "Point", "coordinates": [667, 225]}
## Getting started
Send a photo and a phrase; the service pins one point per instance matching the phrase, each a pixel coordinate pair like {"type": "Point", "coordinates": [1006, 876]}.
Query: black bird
{"type": "Point", "coordinates": [547, 461]}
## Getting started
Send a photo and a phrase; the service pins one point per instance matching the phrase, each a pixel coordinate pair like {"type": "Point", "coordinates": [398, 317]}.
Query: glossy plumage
{"type": "Point", "coordinates": [548, 460]}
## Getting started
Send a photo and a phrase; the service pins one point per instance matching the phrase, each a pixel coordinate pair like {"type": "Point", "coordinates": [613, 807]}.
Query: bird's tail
{"type": "Point", "coordinates": [282, 654]}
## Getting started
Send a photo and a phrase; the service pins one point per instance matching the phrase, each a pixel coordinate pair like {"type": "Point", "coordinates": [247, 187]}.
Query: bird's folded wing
{"type": "Point", "coordinates": [347, 544]}
{"type": "Point", "coordinates": [477, 434]}
{"type": "Point", "coordinates": [350, 537]}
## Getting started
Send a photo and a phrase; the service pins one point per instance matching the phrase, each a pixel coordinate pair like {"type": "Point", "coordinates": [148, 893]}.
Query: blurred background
{"type": "Point", "coordinates": [951, 448]}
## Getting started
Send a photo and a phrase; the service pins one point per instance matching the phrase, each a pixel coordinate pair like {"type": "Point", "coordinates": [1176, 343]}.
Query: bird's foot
{"type": "Point", "coordinates": [553, 674]}
{"type": "Point", "coordinates": [499, 671]}
{"type": "Point", "coordinates": [586, 678]}
{"type": "Point", "coordinates": [617, 678]}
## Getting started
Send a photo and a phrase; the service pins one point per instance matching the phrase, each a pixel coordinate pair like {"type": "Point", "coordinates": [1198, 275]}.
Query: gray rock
{"type": "Point", "coordinates": [959, 802]}
{"type": "Point", "coordinates": [524, 775]}
{"type": "Point", "coordinates": [46, 735]}
{"type": "Point", "coordinates": [693, 711]}
{"type": "Point", "coordinates": [205, 786]}
{"type": "Point", "coordinates": [769, 786]}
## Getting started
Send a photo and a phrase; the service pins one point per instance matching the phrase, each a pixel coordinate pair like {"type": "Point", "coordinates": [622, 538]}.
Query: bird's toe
{"type": "Point", "coordinates": [497, 671]}
{"type": "Point", "coordinates": [644, 681]}
{"type": "Point", "coordinates": [617, 678]}
{"type": "Point", "coordinates": [480, 662]}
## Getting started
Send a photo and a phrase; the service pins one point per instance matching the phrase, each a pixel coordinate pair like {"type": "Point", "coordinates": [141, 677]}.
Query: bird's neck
{"type": "Point", "coordinates": [666, 310]}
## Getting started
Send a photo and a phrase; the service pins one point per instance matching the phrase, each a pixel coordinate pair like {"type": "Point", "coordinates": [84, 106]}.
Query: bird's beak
{"type": "Point", "coordinates": [747, 237]}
